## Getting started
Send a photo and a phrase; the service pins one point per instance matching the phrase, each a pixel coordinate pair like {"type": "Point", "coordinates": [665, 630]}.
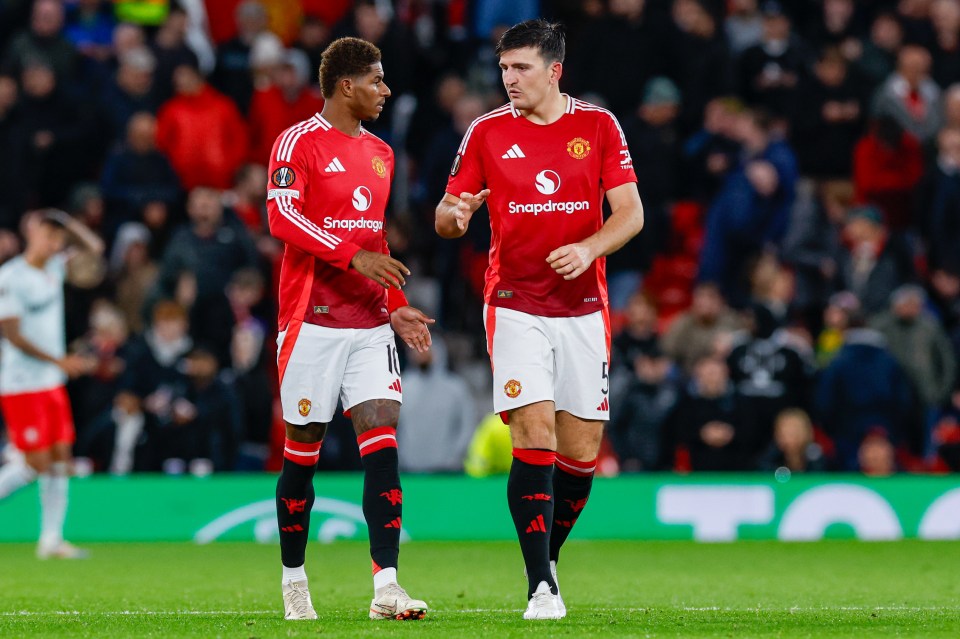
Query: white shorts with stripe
{"type": "Point", "coordinates": [565, 360]}
{"type": "Point", "coordinates": [324, 364]}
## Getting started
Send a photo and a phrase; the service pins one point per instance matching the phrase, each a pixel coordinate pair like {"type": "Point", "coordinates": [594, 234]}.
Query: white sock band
{"type": "Point", "coordinates": [383, 577]}
{"type": "Point", "coordinates": [293, 574]}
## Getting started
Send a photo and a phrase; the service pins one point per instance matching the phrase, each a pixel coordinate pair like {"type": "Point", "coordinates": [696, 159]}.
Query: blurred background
{"type": "Point", "coordinates": [792, 304]}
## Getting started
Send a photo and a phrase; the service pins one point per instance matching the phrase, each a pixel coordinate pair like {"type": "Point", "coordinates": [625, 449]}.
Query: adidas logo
{"type": "Point", "coordinates": [393, 524]}
{"type": "Point", "coordinates": [513, 153]}
{"type": "Point", "coordinates": [335, 167]}
{"type": "Point", "coordinates": [395, 386]}
{"type": "Point", "coordinates": [604, 405]}
{"type": "Point", "coordinates": [537, 525]}
{"type": "Point", "coordinates": [293, 528]}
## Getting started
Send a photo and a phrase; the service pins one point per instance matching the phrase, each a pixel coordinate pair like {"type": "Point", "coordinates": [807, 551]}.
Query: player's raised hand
{"type": "Point", "coordinates": [571, 260]}
{"type": "Point", "coordinates": [413, 327]}
{"type": "Point", "coordinates": [467, 206]}
{"type": "Point", "coordinates": [381, 268]}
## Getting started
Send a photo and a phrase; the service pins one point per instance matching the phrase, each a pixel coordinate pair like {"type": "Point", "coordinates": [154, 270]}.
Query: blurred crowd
{"type": "Point", "coordinates": [793, 301]}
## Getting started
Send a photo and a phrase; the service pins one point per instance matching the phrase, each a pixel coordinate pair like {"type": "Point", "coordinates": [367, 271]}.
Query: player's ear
{"type": "Point", "coordinates": [556, 71]}
{"type": "Point", "coordinates": [346, 87]}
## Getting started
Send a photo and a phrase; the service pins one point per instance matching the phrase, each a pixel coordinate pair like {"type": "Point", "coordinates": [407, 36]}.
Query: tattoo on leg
{"type": "Point", "coordinates": [374, 413]}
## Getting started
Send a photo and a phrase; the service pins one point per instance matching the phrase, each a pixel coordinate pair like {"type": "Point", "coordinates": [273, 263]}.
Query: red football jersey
{"type": "Point", "coordinates": [326, 199]}
{"type": "Point", "coordinates": [546, 190]}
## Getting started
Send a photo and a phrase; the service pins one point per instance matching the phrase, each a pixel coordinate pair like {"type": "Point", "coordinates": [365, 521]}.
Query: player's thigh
{"type": "Point", "coordinates": [27, 422]}
{"type": "Point", "coordinates": [533, 426]}
{"type": "Point", "coordinates": [522, 358]}
{"type": "Point", "coordinates": [372, 389]}
{"type": "Point", "coordinates": [577, 438]}
{"type": "Point", "coordinates": [583, 366]}
{"type": "Point", "coordinates": [313, 368]}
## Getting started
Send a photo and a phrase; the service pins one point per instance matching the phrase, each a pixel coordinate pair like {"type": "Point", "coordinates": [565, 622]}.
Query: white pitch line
{"type": "Point", "coordinates": [202, 613]}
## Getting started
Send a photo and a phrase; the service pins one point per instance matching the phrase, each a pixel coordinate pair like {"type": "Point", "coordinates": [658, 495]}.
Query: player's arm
{"type": "Point", "coordinates": [411, 324]}
{"type": "Point", "coordinates": [468, 178]}
{"type": "Point", "coordinates": [453, 213]}
{"type": "Point", "coordinates": [289, 174]}
{"type": "Point", "coordinates": [72, 365]}
{"type": "Point", "coordinates": [625, 221]}
{"type": "Point", "coordinates": [87, 240]}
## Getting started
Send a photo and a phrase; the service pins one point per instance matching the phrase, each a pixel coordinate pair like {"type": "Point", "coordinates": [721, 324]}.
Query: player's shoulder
{"type": "Point", "coordinates": [308, 130]}
{"type": "Point", "coordinates": [10, 270]}
{"type": "Point", "coordinates": [581, 109]}
{"type": "Point", "coordinates": [376, 142]}
{"type": "Point", "coordinates": [491, 118]}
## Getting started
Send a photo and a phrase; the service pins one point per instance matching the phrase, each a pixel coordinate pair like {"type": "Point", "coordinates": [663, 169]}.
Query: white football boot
{"type": "Point", "coordinates": [60, 550]}
{"type": "Point", "coordinates": [560, 604]}
{"type": "Point", "coordinates": [553, 572]}
{"type": "Point", "coordinates": [543, 604]}
{"type": "Point", "coordinates": [393, 602]}
{"type": "Point", "coordinates": [296, 601]}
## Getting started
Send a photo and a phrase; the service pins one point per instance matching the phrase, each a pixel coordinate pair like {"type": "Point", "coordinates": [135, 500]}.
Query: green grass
{"type": "Point", "coordinates": [612, 589]}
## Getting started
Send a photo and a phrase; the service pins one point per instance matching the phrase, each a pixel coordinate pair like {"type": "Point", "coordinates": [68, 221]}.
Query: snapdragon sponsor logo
{"type": "Point", "coordinates": [352, 225]}
{"type": "Point", "coordinates": [550, 206]}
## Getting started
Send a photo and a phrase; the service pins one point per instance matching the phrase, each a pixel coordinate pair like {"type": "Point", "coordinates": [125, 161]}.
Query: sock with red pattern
{"type": "Point", "coordinates": [295, 497]}
{"type": "Point", "coordinates": [530, 497]}
{"type": "Point", "coordinates": [382, 496]}
{"type": "Point", "coordinates": [572, 481]}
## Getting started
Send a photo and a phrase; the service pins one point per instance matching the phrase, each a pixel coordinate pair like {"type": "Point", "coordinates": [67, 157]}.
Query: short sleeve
{"type": "Point", "coordinates": [466, 172]}
{"type": "Point", "coordinates": [617, 166]}
{"type": "Point", "coordinates": [10, 304]}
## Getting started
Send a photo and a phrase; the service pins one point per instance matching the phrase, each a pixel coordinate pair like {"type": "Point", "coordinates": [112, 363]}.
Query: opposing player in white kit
{"type": "Point", "coordinates": [34, 367]}
{"type": "Point", "coordinates": [542, 163]}
{"type": "Point", "coordinates": [339, 298]}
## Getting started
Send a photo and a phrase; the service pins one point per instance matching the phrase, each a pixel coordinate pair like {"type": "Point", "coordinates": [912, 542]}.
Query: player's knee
{"type": "Point", "coordinates": [39, 460]}
{"type": "Point", "coordinates": [533, 434]}
{"type": "Point", "coordinates": [306, 434]}
{"type": "Point", "coordinates": [375, 413]}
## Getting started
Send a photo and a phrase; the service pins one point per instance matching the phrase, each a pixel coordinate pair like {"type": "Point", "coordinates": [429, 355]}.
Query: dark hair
{"type": "Point", "coordinates": [546, 37]}
{"type": "Point", "coordinates": [345, 58]}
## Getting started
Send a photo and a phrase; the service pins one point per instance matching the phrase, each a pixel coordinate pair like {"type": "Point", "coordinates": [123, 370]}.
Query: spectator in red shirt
{"type": "Point", "coordinates": [201, 131]}
{"type": "Point", "coordinates": [887, 165]}
{"type": "Point", "coordinates": [287, 101]}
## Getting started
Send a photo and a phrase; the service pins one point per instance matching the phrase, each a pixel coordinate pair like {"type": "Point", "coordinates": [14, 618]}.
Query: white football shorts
{"type": "Point", "coordinates": [565, 360]}
{"type": "Point", "coordinates": [354, 364]}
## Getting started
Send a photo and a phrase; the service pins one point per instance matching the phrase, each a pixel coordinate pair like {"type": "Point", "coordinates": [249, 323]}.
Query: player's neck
{"type": "Point", "coordinates": [34, 260]}
{"type": "Point", "coordinates": [549, 110]}
{"type": "Point", "coordinates": [341, 118]}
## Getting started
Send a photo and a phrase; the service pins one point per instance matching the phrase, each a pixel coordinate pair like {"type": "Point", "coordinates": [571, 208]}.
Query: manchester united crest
{"type": "Point", "coordinates": [578, 148]}
{"type": "Point", "coordinates": [304, 407]}
{"type": "Point", "coordinates": [512, 389]}
{"type": "Point", "coordinates": [379, 167]}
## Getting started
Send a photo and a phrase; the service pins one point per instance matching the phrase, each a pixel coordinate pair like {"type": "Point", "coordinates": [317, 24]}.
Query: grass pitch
{"type": "Point", "coordinates": [476, 590]}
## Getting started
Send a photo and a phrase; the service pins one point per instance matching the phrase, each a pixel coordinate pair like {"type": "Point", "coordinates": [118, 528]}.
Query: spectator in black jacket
{"type": "Point", "coordinates": [137, 175]}
{"type": "Point", "coordinates": [770, 374]}
{"type": "Point", "coordinates": [641, 413]}
{"type": "Point", "coordinates": [708, 423]}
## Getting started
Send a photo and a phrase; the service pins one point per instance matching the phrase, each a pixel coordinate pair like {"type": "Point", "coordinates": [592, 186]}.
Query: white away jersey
{"type": "Point", "coordinates": [35, 296]}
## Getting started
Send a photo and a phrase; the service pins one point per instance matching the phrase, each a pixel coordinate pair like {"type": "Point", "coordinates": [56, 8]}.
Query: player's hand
{"type": "Point", "coordinates": [413, 327]}
{"type": "Point", "coordinates": [381, 268]}
{"type": "Point", "coordinates": [467, 206]}
{"type": "Point", "coordinates": [75, 365]}
{"type": "Point", "coordinates": [571, 260]}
